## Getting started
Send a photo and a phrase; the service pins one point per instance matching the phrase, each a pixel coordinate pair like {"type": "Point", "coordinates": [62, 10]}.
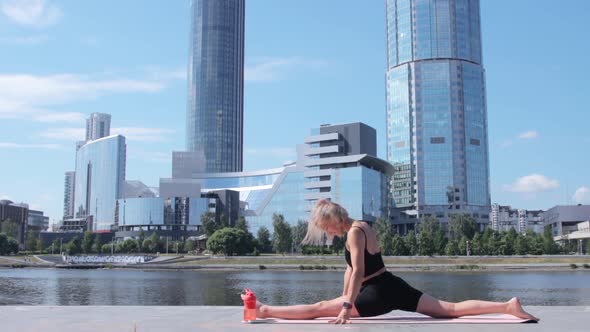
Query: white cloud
{"type": "Point", "coordinates": [60, 117]}
{"type": "Point", "coordinates": [37, 13]}
{"type": "Point", "coordinates": [273, 69]}
{"type": "Point", "coordinates": [131, 133]}
{"type": "Point", "coordinates": [532, 183]}
{"type": "Point", "coordinates": [28, 96]}
{"type": "Point", "coordinates": [582, 195]}
{"type": "Point", "coordinates": [4, 196]}
{"type": "Point", "coordinates": [12, 145]}
{"type": "Point", "coordinates": [506, 143]}
{"type": "Point", "coordinates": [24, 40]}
{"type": "Point", "coordinates": [529, 135]}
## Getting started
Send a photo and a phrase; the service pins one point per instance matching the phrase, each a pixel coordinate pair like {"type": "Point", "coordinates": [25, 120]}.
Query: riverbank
{"type": "Point", "coordinates": [289, 263]}
{"type": "Point", "coordinates": [228, 318]}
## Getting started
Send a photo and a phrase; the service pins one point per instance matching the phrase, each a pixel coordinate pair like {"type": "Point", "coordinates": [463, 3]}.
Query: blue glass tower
{"type": "Point", "coordinates": [436, 109]}
{"type": "Point", "coordinates": [214, 126]}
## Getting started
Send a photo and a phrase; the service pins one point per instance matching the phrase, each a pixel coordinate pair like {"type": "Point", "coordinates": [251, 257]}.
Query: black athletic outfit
{"type": "Point", "coordinates": [384, 292]}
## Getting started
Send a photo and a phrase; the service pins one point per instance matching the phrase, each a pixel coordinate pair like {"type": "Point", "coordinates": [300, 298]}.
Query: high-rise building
{"type": "Point", "coordinates": [100, 180]}
{"type": "Point", "coordinates": [436, 110]}
{"type": "Point", "coordinates": [214, 122]}
{"type": "Point", "coordinates": [69, 185]}
{"type": "Point", "coordinates": [98, 125]}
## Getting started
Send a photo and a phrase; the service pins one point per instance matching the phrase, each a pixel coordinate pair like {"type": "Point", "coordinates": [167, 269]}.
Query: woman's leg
{"type": "Point", "coordinates": [430, 306]}
{"type": "Point", "coordinates": [330, 308]}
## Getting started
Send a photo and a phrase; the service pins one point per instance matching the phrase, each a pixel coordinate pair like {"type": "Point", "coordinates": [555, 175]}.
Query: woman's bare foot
{"type": "Point", "coordinates": [260, 312]}
{"type": "Point", "coordinates": [515, 309]}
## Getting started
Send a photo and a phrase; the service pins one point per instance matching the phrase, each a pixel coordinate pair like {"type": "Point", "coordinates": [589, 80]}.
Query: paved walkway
{"type": "Point", "coordinates": [209, 318]}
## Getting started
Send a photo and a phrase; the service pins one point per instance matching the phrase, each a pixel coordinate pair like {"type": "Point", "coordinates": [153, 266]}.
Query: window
{"type": "Point", "coordinates": [474, 141]}
{"type": "Point", "coordinates": [437, 140]}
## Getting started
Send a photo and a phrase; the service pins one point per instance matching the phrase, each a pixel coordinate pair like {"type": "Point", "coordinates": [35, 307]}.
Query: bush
{"type": "Point", "coordinates": [573, 266]}
{"type": "Point", "coordinates": [586, 266]}
{"type": "Point", "coordinates": [261, 267]}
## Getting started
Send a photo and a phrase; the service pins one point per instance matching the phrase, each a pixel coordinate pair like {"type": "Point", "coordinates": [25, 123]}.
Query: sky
{"type": "Point", "coordinates": [308, 63]}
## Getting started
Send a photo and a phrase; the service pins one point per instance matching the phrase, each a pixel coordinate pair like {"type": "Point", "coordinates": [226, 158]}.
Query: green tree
{"type": "Point", "coordinates": [299, 231]}
{"type": "Point", "coordinates": [141, 237]}
{"type": "Point", "coordinates": [10, 228]}
{"type": "Point", "coordinates": [282, 237]}
{"type": "Point", "coordinates": [398, 247]}
{"type": "Point", "coordinates": [39, 245]}
{"type": "Point", "coordinates": [264, 239]}
{"type": "Point", "coordinates": [338, 244]}
{"type": "Point", "coordinates": [426, 234]}
{"type": "Point", "coordinates": [31, 242]}
{"type": "Point", "coordinates": [229, 241]}
{"type": "Point", "coordinates": [12, 246]}
{"type": "Point", "coordinates": [549, 246]}
{"type": "Point", "coordinates": [521, 246]}
{"type": "Point", "coordinates": [189, 245]}
{"type": "Point", "coordinates": [384, 232]}
{"type": "Point", "coordinates": [452, 248]}
{"type": "Point", "coordinates": [154, 244]}
{"type": "Point", "coordinates": [440, 241]}
{"type": "Point", "coordinates": [74, 246]}
{"type": "Point", "coordinates": [56, 245]}
{"type": "Point", "coordinates": [208, 223]}
{"type": "Point", "coordinates": [106, 248]}
{"type": "Point", "coordinates": [87, 242]}
{"type": "Point", "coordinates": [462, 225]}
{"type": "Point", "coordinates": [477, 245]}
{"type": "Point", "coordinates": [411, 243]}
{"type": "Point", "coordinates": [96, 245]}
{"type": "Point", "coordinates": [3, 244]}
{"type": "Point", "coordinates": [242, 224]}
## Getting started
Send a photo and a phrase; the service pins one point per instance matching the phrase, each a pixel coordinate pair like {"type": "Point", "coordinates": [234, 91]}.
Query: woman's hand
{"type": "Point", "coordinates": [343, 317]}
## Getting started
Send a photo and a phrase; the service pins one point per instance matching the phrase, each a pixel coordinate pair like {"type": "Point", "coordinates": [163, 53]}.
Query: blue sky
{"type": "Point", "coordinates": [308, 62]}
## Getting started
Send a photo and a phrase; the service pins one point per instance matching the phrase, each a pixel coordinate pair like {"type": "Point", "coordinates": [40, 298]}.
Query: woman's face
{"type": "Point", "coordinates": [333, 228]}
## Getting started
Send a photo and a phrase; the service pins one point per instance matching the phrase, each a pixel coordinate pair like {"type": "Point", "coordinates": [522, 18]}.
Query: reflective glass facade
{"type": "Point", "coordinates": [161, 211]}
{"type": "Point", "coordinates": [361, 190]}
{"type": "Point", "coordinates": [436, 107]}
{"type": "Point", "coordinates": [215, 83]}
{"type": "Point", "coordinates": [100, 180]}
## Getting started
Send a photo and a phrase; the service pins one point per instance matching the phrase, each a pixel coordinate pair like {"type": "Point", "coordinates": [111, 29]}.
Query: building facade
{"type": "Point", "coordinates": [17, 213]}
{"type": "Point", "coordinates": [69, 186]}
{"type": "Point", "coordinates": [98, 125]}
{"type": "Point", "coordinates": [100, 180]}
{"type": "Point", "coordinates": [37, 222]}
{"type": "Point", "coordinates": [216, 84]}
{"type": "Point", "coordinates": [564, 219]}
{"type": "Point", "coordinates": [437, 137]}
{"type": "Point", "coordinates": [504, 217]}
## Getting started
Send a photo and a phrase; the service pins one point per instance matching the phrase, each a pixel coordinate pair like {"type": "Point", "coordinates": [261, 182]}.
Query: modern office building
{"type": "Point", "coordinates": [437, 137]}
{"type": "Point", "coordinates": [337, 162]}
{"type": "Point", "coordinates": [17, 213]}
{"type": "Point", "coordinates": [37, 222]}
{"type": "Point", "coordinates": [69, 185]}
{"type": "Point", "coordinates": [564, 219]}
{"type": "Point", "coordinates": [100, 181]}
{"type": "Point", "coordinates": [98, 125]}
{"type": "Point", "coordinates": [504, 217]}
{"type": "Point", "coordinates": [214, 122]}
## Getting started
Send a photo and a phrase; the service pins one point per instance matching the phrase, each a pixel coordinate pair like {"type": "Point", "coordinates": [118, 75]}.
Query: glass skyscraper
{"type": "Point", "coordinates": [214, 126]}
{"type": "Point", "coordinates": [100, 180]}
{"type": "Point", "coordinates": [436, 109]}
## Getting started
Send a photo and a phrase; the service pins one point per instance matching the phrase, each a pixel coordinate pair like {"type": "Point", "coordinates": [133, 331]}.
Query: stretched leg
{"type": "Point", "coordinates": [330, 308]}
{"type": "Point", "coordinates": [430, 306]}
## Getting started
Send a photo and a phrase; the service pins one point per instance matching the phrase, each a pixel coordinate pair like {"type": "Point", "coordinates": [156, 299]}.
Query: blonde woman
{"type": "Point", "coordinates": [369, 289]}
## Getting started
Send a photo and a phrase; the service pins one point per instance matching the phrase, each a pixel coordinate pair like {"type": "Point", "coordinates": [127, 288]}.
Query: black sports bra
{"type": "Point", "coordinates": [373, 262]}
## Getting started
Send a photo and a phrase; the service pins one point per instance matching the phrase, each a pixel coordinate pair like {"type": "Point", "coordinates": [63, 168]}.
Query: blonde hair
{"type": "Point", "coordinates": [323, 212]}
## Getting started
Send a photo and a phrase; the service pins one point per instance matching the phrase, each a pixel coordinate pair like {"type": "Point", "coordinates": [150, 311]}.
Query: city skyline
{"type": "Point", "coordinates": [296, 77]}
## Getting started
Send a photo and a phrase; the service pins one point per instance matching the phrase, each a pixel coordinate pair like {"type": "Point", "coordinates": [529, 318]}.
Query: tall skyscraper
{"type": "Point", "coordinates": [214, 122]}
{"type": "Point", "coordinates": [436, 109]}
{"type": "Point", "coordinates": [98, 125]}
{"type": "Point", "coordinates": [69, 185]}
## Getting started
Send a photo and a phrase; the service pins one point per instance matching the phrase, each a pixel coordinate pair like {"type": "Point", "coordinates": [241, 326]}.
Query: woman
{"type": "Point", "coordinates": [370, 290]}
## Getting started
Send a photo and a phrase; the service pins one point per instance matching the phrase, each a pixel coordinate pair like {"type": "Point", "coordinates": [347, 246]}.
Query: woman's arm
{"type": "Point", "coordinates": [346, 280]}
{"type": "Point", "coordinates": [356, 243]}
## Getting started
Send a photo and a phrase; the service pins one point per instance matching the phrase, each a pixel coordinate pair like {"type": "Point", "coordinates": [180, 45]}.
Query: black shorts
{"type": "Point", "coordinates": [384, 293]}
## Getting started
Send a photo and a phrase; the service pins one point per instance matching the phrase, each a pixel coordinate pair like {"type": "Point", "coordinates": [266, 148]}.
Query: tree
{"type": "Point", "coordinates": [452, 248]}
{"type": "Point", "coordinates": [384, 233]}
{"type": "Point", "coordinates": [39, 245]}
{"type": "Point", "coordinates": [31, 242]}
{"type": "Point", "coordinates": [338, 243]}
{"type": "Point", "coordinates": [461, 225]}
{"type": "Point", "coordinates": [147, 246]}
{"type": "Point", "coordinates": [549, 246]}
{"type": "Point", "coordinates": [106, 248]}
{"type": "Point", "coordinates": [411, 243]}
{"type": "Point", "coordinates": [74, 246]}
{"type": "Point", "coordinates": [299, 231]}
{"type": "Point", "coordinates": [229, 241]}
{"type": "Point", "coordinates": [264, 239]}
{"type": "Point", "coordinates": [521, 246]}
{"type": "Point", "coordinates": [209, 224]}
{"type": "Point", "coordinates": [12, 246]}
{"type": "Point", "coordinates": [398, 247]}
{"type": "Point", "coordinates": [96, 246]}
{"type": "Point", "coordinates": [3, 244]}
{"type": "Point", "coordinates": [87, 242]}
{"type": "Point", "coordinates": [141, 237]}
{"type": "Point", "coordinates": [10, 228]}
{"type": "Point", "coordinates": [282, 237]}
{"type": "Point", "coordinates": [189, 245]}
{"type": "Point", "coordinates": [427, 229]}
{"type": "Point", "coordinates": [242, 224]}
{"type": "Point", "coordinates": [440, 241]}
{"type": "Point", "coordinates": [154, 244]}
{"type": "Point", "coordinates": [55, 245]}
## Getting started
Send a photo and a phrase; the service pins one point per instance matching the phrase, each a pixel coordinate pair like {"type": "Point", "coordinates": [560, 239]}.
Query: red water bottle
{"type": "Point", "coordinates": [249, 305]}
